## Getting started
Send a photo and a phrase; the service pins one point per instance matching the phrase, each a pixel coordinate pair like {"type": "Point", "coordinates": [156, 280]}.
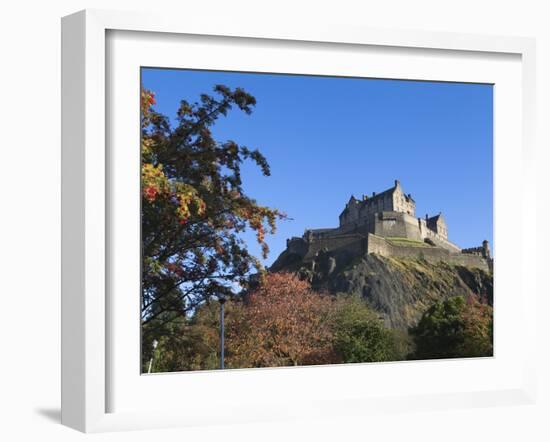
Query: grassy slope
{"type": "Point", "coordinates": [396, 241]}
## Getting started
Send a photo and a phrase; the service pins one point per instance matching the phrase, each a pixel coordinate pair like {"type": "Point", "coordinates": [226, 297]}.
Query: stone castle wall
{"type": "Point", "coordinates": [297, 246]}
{"type": "Point", "coordinates": [396, 224]}
{"type": "Point", "coordinates": [439, 241]}
{"type": "Point", "coordinates": [359, 244]}
{"type": "Point", "coordinates": [354, 243]}
{"type": "Point", "coordinates": [402, 225]}
{"type": "Point", "coordinates": [381, 246]}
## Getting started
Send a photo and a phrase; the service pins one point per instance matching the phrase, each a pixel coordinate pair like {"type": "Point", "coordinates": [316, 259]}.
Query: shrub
{"type": "Point", "coordinates": [454, 328]}
{"type": "Point", "coordinates": [359, 334]}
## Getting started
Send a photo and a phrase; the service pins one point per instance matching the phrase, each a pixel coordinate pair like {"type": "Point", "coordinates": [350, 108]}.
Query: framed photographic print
{"type": "Point", "coordinates": [291, 222]}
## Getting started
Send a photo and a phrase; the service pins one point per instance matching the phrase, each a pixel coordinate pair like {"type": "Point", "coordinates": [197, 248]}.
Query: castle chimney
{"type": "Point", "coordinates": [426, 217]}
{"type": "Point", "coordinates": [396, 183]}
{"type": "Point", "coordinates": [373, 193]}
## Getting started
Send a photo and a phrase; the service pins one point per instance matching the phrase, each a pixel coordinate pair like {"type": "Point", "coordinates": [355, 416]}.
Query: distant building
{"type": "Point", "coordinates": [386, 223]}
{"type": "Point", "coordinates": [392, 214]}
{"type": "Point", "coordinates": [391, 200]}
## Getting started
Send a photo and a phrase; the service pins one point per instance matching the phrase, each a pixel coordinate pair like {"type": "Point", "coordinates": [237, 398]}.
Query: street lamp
{"type": "Point", "coordinates": [221, 300]}
{"type": "Point", "coordinates": [155, 343]}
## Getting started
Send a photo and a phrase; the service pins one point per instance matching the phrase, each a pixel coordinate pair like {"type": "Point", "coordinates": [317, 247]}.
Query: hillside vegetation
{"type": "Point", "coordinates": [399, 289]}
{"type": "Point", "coordinates": [343, 309]}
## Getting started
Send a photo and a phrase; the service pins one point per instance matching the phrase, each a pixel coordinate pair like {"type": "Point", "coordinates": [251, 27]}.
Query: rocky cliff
{"type": "Point", "coordinates": [399, 289]}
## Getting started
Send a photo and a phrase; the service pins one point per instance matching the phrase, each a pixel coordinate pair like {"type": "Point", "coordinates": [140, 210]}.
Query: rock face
{"type": "Point", "coordinates": [399, 289]}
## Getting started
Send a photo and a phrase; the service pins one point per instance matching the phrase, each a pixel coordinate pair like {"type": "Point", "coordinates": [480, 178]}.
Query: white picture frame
{"type": "Point", "coordinates": [86, 315]}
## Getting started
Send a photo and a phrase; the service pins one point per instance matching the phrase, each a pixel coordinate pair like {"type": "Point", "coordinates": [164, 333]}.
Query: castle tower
{"type": "Point", "coordinates": [437, 224]}
{"type": "Point", "coordinates": [486, 253]}
{"type": "Point", "coordinates": [402, 202]}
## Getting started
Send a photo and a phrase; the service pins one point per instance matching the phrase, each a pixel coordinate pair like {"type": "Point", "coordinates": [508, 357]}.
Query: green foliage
{"type": "Point", "coordinates": [193, 343]}
{"type": "Point", "coordinates": [283, 322]}
{"type": "Point", "coordinates": [188, 347]}
{"type": "Point", "coordinates": [359, 335]}
{"type": "Point", "coordinates": [454, 328]}
{"type": "Point", "coordinates": [402, 345]}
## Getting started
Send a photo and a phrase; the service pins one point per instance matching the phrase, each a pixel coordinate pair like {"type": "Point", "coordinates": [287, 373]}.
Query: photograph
{"type": "Point", "coordinates": [300, 220]}
{"type": "Point", "coordinates": [266, 222]}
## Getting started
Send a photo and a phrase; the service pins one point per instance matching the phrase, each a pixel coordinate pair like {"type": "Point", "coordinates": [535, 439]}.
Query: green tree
{"type": "Point", "coordinates": [194, 343]}
{"type": "Point", "coordinates": [359, 334]}
{"type": "Point", "coordinates": [194, 209]}
{"type": "Point", "coordinates": [454, 328]}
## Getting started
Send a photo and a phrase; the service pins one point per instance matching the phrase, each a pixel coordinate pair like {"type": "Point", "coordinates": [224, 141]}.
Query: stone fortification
{"type": "Point", "coordinates": [387, 248]}
{"type": "Point", "coordinates": [385, 224]}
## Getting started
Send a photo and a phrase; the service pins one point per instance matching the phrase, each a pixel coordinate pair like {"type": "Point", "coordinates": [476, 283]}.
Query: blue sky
{"type": "Point", "coordinates": [327, 138]}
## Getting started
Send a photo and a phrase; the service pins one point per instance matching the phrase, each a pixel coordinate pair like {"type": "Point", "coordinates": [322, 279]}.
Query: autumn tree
{"type": "Point", "coordinates": [454, 328]}
{"type": "Point", "coordinates": [194, 208]}
{"type": "Point", "coordinates": [284, 322]}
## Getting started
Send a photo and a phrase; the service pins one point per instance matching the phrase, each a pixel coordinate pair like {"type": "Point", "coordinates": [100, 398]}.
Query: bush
{"type": "Point", "coordinates": [359, 334]}
{"type": "Point", "coordinates": [455, 328]}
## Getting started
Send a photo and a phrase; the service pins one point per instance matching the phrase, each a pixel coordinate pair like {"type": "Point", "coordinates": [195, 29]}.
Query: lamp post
{"type": "Point", "coordinates": [221, 299]}
{"type": "Point", "coordinates": [155, 343]}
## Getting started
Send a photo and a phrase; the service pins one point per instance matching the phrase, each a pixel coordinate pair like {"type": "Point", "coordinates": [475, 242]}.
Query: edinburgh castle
{"type": "Point", "coordinates": [385, 224]}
